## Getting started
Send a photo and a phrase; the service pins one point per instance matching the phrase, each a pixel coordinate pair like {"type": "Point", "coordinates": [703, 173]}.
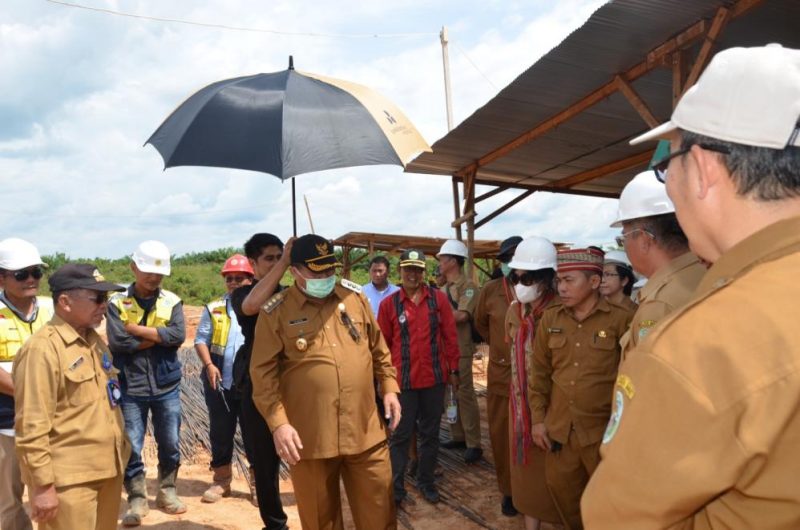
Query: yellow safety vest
{"type": "Point", "coordinates": [131, 313]}
{"type": "Point", "coordinates": [220, 325]}
{"type": "Point", "coordinates": [15, 331]}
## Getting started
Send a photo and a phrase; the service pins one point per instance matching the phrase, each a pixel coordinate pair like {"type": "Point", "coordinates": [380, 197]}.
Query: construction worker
{"type": "Point", "coordinates": [463, 295]}
{"type": "Point", "coordinates": [69, 431]}
{"type": "Point", "coordinates": [658, 249]}
{"type": "Point", "coordinates": [218, 339]}
{"type": "Point", "coordinates": [573, 367]}
{"type": "Point", "coordinates": [145, 328]}
{"type": "Point", "coordinates": [490, 316]}
{"type": "Point", "coordinates": [317, 349]}
{"type": "Point", "coordinates": [21, 314]}
{"type": "Point", "coordinates": [532, 275]}
{"type": "Point", "coordinates": [618, 279]}
{"type": "Point", "coordinates": [706, 420]}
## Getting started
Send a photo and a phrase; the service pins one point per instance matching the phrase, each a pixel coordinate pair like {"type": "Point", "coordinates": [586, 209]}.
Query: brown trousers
{"type": "Point", "coordinates": [567, 472]}
{"type": "Point", "coordinates": [12, 511]}
{"type": "Point", "coordinates": [497, 413]}
{"type": "Point", "coordinates": [468, 426]}
{"type": "Point", "coordinates": [94, 505]}
{"type": "Point", "coordinates": [367, 480]}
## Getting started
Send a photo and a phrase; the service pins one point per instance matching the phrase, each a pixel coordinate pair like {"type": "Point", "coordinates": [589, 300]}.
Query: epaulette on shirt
{"type": "Point", "coordinates": [353, 286]}
{"type": "Point", "coordinates": [274, 301]}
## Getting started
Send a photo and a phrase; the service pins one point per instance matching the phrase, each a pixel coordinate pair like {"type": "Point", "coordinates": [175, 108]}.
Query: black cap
{"type": "Point", "coordinates": [313, 251]}
{"type": "Point", "coordinates": [412, 258]}
{"type": "Point", "coordinates": [508, 246]}
{"type": "Point", "coordinates": [80, 276]}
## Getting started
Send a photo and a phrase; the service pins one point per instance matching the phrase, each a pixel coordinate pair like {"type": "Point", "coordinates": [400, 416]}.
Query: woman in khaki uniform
{"type": "Point", "coordinates": [533, 270]}
{"type": "Point", "coordinates": [618, 280]}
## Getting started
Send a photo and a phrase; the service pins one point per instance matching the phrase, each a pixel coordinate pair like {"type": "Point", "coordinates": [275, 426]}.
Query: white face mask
{"type": "Point", "coordinates": [527, 293]}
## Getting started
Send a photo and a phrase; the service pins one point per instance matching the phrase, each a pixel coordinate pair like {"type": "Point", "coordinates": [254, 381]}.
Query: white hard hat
{"type": "Point", "coordinates": [644, 196]}
{"type": "Point", "coordinates": [617, 257]}
{"type": "Point", "coordinates": [453, 247]}
{"type": "Point", "coordinates": [17, 254]}
{"type": "Point", "coordinates": [534, 253]}
{"type": "Point", "coordinates": [152, 256]}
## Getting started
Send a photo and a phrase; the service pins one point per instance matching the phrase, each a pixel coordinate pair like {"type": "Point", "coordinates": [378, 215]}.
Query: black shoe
{"type": "Point", "coordinates": [430, 493]}
{"type": "Point", "coordinates": [507, 507]}
{"type": "Point", "coordinates": [472, 455]}
{"type": "Point", "coordinates": [454, 444]}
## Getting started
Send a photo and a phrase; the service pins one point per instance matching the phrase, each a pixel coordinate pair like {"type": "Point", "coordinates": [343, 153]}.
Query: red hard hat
{"type": "Point", "coordinates": [237, 263]}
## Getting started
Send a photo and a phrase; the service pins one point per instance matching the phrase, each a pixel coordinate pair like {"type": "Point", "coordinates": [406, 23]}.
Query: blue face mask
{"type": "Point", "coordinates": [320, 288]}
{"type": "Point", "coordinates": [505, 269]}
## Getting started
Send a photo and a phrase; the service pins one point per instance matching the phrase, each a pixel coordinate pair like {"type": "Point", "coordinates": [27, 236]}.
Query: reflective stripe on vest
{"type": "Point", "coordinates": [220, 325]}
{"type": "Point", "coordinates": [131, 313]}
{"type": "Point", "coordinates": [15, 331]}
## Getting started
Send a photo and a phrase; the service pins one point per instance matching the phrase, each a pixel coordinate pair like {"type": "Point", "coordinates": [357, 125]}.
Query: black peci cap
{"type": "Point", "coordinates": [80, 276]}
{"type": "Point", "coordinates": [313, 251]}
{"type": "Point", "coordinates": [412, 258]}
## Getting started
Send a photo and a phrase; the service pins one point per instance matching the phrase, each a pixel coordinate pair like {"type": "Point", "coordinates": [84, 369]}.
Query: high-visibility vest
{"type": "Point", "coordinates": [14, 331]}
{"type": "Point", "coordinates": [220, 325]}
{"type": "Point", "coordinates": [130, 312]}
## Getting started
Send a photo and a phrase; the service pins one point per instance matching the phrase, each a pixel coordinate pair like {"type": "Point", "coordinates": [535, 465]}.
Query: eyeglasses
{"type": "Point", "coordinates": [24, 274]}
{"type": "Point", "coordinates": [526, 278]}
{"type": "Point", "coordinates": [235, 279]}
{"type": "Point", "coordinates": [610, 275]}
{"type": "Point", "coordinates": [271, 257]}
{"type": "Point", "coordinates": [620, 239]}
{"type": "Point", "coordinates": [660, 167]}
{"type": "Point", "coordinates": [99, 298]}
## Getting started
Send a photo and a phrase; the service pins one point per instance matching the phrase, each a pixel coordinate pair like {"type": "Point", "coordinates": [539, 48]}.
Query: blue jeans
{"type": "Point", "coordinates": [166, 409]}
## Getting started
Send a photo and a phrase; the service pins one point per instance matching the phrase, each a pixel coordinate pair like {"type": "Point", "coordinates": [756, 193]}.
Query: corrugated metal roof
{"type": "Point", "coordinates": [617, 37]}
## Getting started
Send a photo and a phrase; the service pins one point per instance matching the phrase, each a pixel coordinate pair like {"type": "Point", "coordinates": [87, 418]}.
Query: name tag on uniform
{"type": "Point", "coordinates": [298, 321]}
{"type": "Point", "coordinates": [114, 393]}
{"type": "Point", "coordinates": [76, 363]}
{"type": "Point", "coordinates": [554, 330]}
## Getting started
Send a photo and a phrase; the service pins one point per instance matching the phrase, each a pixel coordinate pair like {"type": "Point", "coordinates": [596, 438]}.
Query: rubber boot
{"type": "Point", "coordinates": [221, 486]}
{"type": "Point", "coordinates": [137, 501]}
{"type": "Point", "coordinates": [167, 498]}
{"type": "Point", "coordinates": [251, 482]}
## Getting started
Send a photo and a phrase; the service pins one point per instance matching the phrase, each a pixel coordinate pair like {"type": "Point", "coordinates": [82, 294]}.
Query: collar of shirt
{"type": "Point", "coordinates": [300, 298]}
{"type": "Point", "coordinates": [404, 296]}
{"type": "Point", "coordinates": [662, 275]}
{"type": "Point", "coordinates": [602, 305]}
{"type": "Point", "coordinates": [132, 294]}
{"type": "Point", "coordinates": [17, 312]}
{"type": "Point", "coordinates": [772, 242]}
{"type": "Point", "coordinates": [379, 291]}
{"type": "Point", "coordinates": [68, 333]}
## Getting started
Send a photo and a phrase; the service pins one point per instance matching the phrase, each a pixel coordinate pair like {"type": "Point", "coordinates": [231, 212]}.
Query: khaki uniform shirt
{"type": "Point", "coordinates": [573, 370]}
{"type": "Point", "coordinates": [308, 371]}
{"type": "Point", "coordinates": [464, 293]}
{"type": "Point", "coordinates": [490, 315]}
{"type": "Point", "coordinates": [706, 425]}
{"type": "Point", "coordinates": [67, 431]}
{"type": "Point", "coordinates": [666, 291]}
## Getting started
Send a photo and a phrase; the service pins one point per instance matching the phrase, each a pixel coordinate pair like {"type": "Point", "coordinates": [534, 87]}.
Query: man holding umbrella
{"type": "Point", "coordinates": [320, 340]}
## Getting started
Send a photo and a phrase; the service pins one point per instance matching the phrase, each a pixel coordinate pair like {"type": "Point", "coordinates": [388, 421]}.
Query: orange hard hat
{"type": "Point", "coordinates": [237, 263]}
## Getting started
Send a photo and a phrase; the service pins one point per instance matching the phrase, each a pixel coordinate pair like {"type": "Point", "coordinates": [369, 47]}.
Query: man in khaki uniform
{"type": "Point", "coordinates": [658, 249]}
{"type": "Point", "coordinates": [575, 358]}
{"type": "Point", "coordinates": [70, 433]}
{"type": "Point", "coordinates": [490, 316]}
{"type": "Point", "coordinates": [706, 424]}
{"type": "Point", "coordinates": [317, 348]}
{"type": "Point", "coordinates": [463, 295]}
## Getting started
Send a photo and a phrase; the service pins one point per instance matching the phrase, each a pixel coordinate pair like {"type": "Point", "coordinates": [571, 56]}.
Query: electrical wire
{"type": "Point", "coordinates": [475, 66]}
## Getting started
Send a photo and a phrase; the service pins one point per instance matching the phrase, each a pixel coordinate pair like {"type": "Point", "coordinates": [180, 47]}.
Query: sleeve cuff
{"type": "Point", "coordinates": [537, 416]}
{"type": "Point", "coordinates": [389, 385]}
{"type": "Point", "coordinates": [42, 476]}
{"type": "Point", "coordinates": [277, 418]}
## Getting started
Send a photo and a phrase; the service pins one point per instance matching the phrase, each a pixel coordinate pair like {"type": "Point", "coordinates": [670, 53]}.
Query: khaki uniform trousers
{"type": "Point", "coordinates": [497, 412]}
{"type": "Point", "coordinates": [94, 505]}
{"type": "Point", "coordinates": [567, 472]}
{"type": "Point", "coordinates": [12, 512]}
{"type": "Point", "coordinates": [367, 480]}
{"type": "Point", "coordinates": [468, 426]}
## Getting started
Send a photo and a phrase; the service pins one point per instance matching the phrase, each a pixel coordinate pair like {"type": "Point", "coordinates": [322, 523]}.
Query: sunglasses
{"type": "Point", "coordinates": [527, 278]}
{"type": "Point", "coordinates": [660, 167]}
{"type": "Point", "coordinates": [24, 274]}
{"type": "Point", "coordinates": [235, 279]}
{"type": "Point", "coordinates": [98, 299]}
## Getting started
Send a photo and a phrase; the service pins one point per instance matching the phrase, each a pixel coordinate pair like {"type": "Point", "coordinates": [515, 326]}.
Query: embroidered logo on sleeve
{"type": "Point", "coordinates": [626, 385]}
{"type": "Point", "coordinates": [616, 417]}
{"type": "Point", "coordinates": [644, 328]}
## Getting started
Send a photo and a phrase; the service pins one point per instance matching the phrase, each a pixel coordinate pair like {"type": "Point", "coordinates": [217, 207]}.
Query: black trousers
{"type": "Point", "coordinates": [266, 463]}
{"type": "Point", "coordinates": [222, 424]}
{"type": "Point", "coordinates": [421, 408]}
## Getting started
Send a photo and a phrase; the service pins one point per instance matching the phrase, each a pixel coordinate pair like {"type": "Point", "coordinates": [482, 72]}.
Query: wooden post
{"type": "Point", "coordinates": [457, 208]}
{"type": "Point", "coordinates": [469, 206]}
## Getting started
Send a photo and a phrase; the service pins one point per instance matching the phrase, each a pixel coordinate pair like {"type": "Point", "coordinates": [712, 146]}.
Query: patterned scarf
{"type": "Point", "coordinates": [520, 408]}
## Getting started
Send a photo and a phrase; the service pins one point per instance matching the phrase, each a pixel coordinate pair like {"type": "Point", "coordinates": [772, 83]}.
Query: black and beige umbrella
{"type": "Point", "coordinates": [285, 124]}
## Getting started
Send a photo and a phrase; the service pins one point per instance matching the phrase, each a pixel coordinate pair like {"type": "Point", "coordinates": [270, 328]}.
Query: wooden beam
{"type": "Point", "coordinates": [456, 207]}
{"type": "Point", "coordinates": [463, 219]}
{"type": "Point", "coordinates": [487, 273]}
{"type": "Point", "coordinates": [679, 68]}
{"type": "Point", "coordinates": [601, 171]}
{"type": "Point", "coordinates": [717, 25]}
{"type": "Point", "coordinates": [509, 204]}
{"type": "Point", "coordinates": [499, 189]}
{"type": "Point", "coordinates": [636, 102]}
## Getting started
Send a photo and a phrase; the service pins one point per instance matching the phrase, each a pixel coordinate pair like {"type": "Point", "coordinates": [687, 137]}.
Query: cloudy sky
{"type": "Point", "coordinates": [81, 91]}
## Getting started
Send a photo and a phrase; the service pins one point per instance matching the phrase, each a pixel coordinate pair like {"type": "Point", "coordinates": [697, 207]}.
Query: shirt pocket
{"type": "Point", "coordinates": [81, 383]}
{"type": "Point", "coordinates": [299, 340]}
{"type": "Point", "coordinates": [556, 342]}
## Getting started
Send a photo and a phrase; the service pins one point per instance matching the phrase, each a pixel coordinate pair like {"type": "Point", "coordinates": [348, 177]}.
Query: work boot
{"type": "Point", "coordinates": [167, 498]}
{"type": "Point", "coordinates": [251, 482]}
{"type": "Point", "coordinates": [221, 486]}
{"type": "Point", "coordinates": [137, 501]}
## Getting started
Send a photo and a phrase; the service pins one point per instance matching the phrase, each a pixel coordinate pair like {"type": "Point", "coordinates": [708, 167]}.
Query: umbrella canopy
{"type": "Point", "coordinates": [287, 123]}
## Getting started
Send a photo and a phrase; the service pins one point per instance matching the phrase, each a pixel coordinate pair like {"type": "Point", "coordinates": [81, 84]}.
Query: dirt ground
{"type": "Point", "coordinates": [470, 499]}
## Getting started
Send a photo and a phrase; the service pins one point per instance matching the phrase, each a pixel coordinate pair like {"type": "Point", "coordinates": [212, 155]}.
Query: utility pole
{"type": "Point", "coordinates": [449, 106]}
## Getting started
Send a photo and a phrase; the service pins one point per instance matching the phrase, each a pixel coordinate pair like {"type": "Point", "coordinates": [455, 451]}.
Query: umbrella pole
{"type": "Point", "coordinates": [294, 211]}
